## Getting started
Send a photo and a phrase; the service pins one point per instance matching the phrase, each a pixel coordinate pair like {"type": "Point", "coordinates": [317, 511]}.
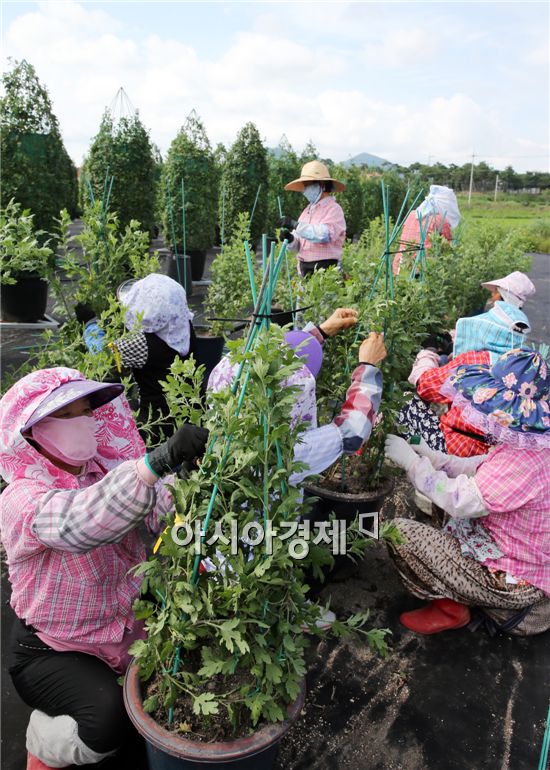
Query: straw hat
{"type": "Point", "coordinates": [314, 171]}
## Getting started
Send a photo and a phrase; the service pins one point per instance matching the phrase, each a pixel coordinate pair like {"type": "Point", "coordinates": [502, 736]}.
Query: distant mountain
{"type": "Point", "coordinates": [363, 159]}
{"type": "Point", "coordinates": [366, 159]}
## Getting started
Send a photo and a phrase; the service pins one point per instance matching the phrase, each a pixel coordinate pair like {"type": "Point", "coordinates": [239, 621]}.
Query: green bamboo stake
{"type": "Point", "coordinates": [255, 202]}
{"type": "Point", "coordinates": [106, 204]}
{"type": "Point", "coordinates": [420, 258]}
{"type": "Point", "coordinates": [184, 239]}
{"type": "Point", "coordinates": [250, 271]}
{"type": "Point", "coordinates": [280, 207]}
{"type": "Point", "coordinates": [543, 761]}
{"type": "Point", "coordinates": [262, 305]}
{"type": "Point", "coordinates": [271, 264]}
{"type": "Point", "coordinates": [262, 308]}
{"type": "Point", "coordinates": [104, 192]}
{"type": "Point", "coordinates": [223, 220]}
{"type": "Point", "coordinates": [90, 190]}
{"type": "Point", "coordinates": [264, 251]}
{"type": "Point", "coordinates": [290, 297]}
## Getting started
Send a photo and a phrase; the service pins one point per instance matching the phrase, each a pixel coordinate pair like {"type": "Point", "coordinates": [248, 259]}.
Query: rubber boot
{"type": "Point", "coordinates": [439, 615]}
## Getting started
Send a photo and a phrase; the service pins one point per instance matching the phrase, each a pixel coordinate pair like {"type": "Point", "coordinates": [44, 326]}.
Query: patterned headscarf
{"type": "Point", "coordinates": [116, 434]}
{"type": "Point", "coordinates": [162, 303]}
{"type": "Point", "coordinates": [508, 401]}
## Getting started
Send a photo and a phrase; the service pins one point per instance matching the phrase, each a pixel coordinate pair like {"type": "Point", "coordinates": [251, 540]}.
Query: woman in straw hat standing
{"type": "Point", "coordinates": [494, 553]}
{"type": "Point", "coordinates": [319, 233]}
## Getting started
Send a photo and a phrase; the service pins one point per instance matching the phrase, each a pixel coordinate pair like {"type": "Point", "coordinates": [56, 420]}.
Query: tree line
{"type": "Point", "coordinates": [196, 193]}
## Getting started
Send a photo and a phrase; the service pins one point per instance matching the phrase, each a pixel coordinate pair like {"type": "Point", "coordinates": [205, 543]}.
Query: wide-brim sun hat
{"type": "Point", "coordinates": [515, 287]}
{"type": "Point", "coordinates": [98, 393]}
{"type": "Point", "coordinates": [307, 347]}
{"type": "Point", "coordinates": [314, 171]}
{"type": "Point", "coordinates": [508, 401]}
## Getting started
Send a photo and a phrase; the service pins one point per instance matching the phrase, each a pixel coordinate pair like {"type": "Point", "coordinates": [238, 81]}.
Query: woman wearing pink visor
{"type": "Point", "coordinates": [79, 486]}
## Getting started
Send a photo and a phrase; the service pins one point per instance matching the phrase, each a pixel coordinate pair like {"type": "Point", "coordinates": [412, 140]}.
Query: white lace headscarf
{"type": "Point", "coordinates": [163, 305]}
{"type": "Point", "coordinates": [441, 200]}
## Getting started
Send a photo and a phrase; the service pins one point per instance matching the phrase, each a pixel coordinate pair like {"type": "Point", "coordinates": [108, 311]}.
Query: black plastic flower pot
{"type": "Point", "coordinates": [24, 301]}
{"type": "Point", "coordinates": [179, 270]}
{"type": "Point", "coordinates": [345, 506]}
{"type": "Point", "coordinates": [209, 351]}
{"type": "Point", "coordinates": [198, 260]}
{"type": "Point", "coordinates": [171, 751]}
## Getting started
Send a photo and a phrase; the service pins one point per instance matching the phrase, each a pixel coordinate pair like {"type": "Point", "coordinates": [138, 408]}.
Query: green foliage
{"type": "Point", "coordinates": [351, 199]}
{"type": "Point", "coordinates": [190, 158]}
{"type": "Point", "coordinates": [123, 150]}
{"type": "Point", "coordinates": [244, 170]}
{"type": "Point", "coordinates": [484, 252]}
{"type": "Point", "coordinates": [233, 642]}
{"type": "Point", "coordinates": [106, 257]}
{"type": "Point", "coordinates": [284, 166]}
{"type": "Point", "coordinates": [450, 290]}
{"type": "Point", "coordinates": [229, 294]}
{"type": "Point", "coordinates": [484, 177]}
{"type": "Point", "coordinates": [539, 234]}
{"type": "Point", "coordinates": [20, 248]}
{"type": "Point", "coordinates": [310, 152]}
{"type": "Point", "coordinates": [37, 172]}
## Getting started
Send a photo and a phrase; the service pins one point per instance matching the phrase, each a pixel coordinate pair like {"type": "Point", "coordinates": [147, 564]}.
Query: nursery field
{"type": "Point", "coordinates": [144, 270]}
{"type": "Point", "coordinates": [530, 214]}
{"type": "Point", "coordinates": [449, 702]}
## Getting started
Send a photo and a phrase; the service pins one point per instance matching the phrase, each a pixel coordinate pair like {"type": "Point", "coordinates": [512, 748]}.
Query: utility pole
{"type": "Point", "coordinates": [471, 180]}
{"type": "Point", "coordinates": [496, 187]}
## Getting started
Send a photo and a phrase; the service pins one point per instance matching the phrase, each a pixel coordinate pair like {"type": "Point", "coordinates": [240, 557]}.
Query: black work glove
{"type": "Point", "coordinates": [84, 312]}
{"type": "Point", "coordinates": [187, 444]}
{"type": "Point", "coordinates": [442, 343]}
{"type": "Point", "coordinates": [287, 222]}
{"type": "Point", "coordinates": [286, 235]}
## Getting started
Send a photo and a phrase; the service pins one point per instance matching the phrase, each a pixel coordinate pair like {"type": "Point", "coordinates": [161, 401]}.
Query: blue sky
{"type": "Point", "coordinates": [407, 81]}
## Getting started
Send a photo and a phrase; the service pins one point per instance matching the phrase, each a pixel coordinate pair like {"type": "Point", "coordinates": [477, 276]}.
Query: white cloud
{"type": "Point", "coordinates": [402, 48]}
{"type": "Point", "coordinates": [537, 56]}
{"type": "Point", "coordinates": [275, 75]}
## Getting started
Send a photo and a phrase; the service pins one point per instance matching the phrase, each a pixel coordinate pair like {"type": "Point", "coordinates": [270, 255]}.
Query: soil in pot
{"type": "Point", "coordinates": [180, 750]}
{"type": "Point", "coordinates": [24, 301]}
{"type": "Point", "coordinates": [345, 505]}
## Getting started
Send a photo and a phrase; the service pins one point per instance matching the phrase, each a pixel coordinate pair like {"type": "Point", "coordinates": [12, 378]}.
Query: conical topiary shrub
{"type": "Point", "coordinates": [123, 150]}
{"type": "Point", "coordinates": [37, 171]}
{"type": "Point", "coordinates": [190, 160]}
{"type": "Point", "coordinates": [245, 181]}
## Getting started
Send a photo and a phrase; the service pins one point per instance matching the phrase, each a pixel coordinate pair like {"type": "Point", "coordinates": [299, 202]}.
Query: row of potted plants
{"type": "Point", "coordinates": [224, 654]}
{"type": "Point", "coordinates": [220, 674]}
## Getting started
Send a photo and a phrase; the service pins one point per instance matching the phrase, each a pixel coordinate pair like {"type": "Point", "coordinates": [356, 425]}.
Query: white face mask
{"type": "Point", "coordinates": [313, 192]}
